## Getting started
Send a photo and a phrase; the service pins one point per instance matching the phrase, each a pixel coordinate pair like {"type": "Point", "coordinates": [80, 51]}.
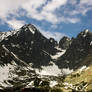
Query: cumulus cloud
{"type": "Point", "coordinates": [86, 2]}
{"type": "Point", "coordinates": [56, 35]}
{"type": "Point", "coordinates": [48, 34]}
{"type": "Point", "coordinates": [43, 10]}
{"type": "Point", "coordinates": [15, 24]}
{"type": "Point", "coordinates": [54, 4]}
{"type": "Point", "coordinates": [85, 6]}
{"type": "Point", "coordinates": [80, 8]}
{"type": "Point", "coordinates": [69, 19]}
{"type": "Point", "coordinates": [47, 11]}
{"type": "Point", "coordinates": [31, 7]}
{"type": "Point", "coordinates": [9, 6]}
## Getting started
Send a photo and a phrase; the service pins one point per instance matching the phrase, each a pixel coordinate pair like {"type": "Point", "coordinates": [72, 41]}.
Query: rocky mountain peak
{"type": "Point", "coordinates": [84, 33]}
{"type": "Point", "coordinates": [65, 42]}
{"type": "Point", "coordinates": [29, 27]}
{"type": "Point", "coordinates": [85, 38]}
{"type": "Point", "coordinates": [29, 45]}
{"type": "Point", "coordinates": [80, 47]}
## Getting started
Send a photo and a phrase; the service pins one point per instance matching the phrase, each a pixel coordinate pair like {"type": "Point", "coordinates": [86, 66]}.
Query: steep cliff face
{"type": "Point", "coordinates": [23, 52]}
{"type": "Point", "coordinates": [65, 42]}
{"type": "Point", "coordinates": [80, 47]}
{"type": "Point", "coordinates": [29, 45]}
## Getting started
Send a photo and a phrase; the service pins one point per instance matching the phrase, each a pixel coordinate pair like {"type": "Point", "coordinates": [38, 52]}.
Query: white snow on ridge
{"type": "Point", "coordinates": [86, 31]}
{"type": "Point", "coordinates": [58, 54]}
{"type": "Point", "coordinates": [57, 47]}
{"type": "Point", "coordinates": [91, 43]}
{"type": "Point", "coordinates": [6, 34]}
{"type": "Point", "coordinates": [83, 68]}
{"type": "Point", "coordinates": [51, 70]}
{"type": "Point", "coordinates": [33, 32]}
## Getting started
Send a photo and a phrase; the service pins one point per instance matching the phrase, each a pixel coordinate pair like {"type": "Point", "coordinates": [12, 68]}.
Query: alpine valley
{"type": "Point", "coordinates": [30, 62]}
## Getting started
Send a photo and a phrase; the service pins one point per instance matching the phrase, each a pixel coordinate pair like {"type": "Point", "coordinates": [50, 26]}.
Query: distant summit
{"type": "Point", "coordinates": [80, 48]}
{"type": "Point", "coordinates": [65, 42]}
{"type": "Point", "coordinates": [84, 33]}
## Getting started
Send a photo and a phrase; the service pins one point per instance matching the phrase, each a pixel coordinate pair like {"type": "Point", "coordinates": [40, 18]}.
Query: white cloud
{"type": "Point", "coordinates": [15, 24]}
{"type": "Point", "coordinates": [73, 20]}
{"type": "Point", "coordinates": [85, 6]}
{"type": "Point", "coordinates": [56, 35]}
{"type": "Point", "coordinates": [47, 11]}
{"type": "Point", "coordinates": [73, 2]}
{"type": "Point", "coordinates": [69, 19]}
{"type": "Point", "coordinates": [46, 15]}
{"type": "Point", "coordinates": [87, 2]}
{"type": "Point", "coordinates": [81, 8]}
{"type": "Point", "coordinates": [48, 34]}
{"type": "Point", "coordinates": [54, 4]}
{"type": "Point", "coordinates": [31, 8]}
{"type": "Point", "coordinates": [55, 26]}
{"type": "Point", "coordinates": [9, 6]}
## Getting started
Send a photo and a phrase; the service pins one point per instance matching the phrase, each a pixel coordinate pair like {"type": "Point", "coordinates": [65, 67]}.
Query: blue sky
{"type": "Point", "coordinates": [54, 18]}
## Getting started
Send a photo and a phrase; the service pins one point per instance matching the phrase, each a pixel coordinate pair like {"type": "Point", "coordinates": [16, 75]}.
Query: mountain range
{"type": "Point", "coordinates": [30, 62]}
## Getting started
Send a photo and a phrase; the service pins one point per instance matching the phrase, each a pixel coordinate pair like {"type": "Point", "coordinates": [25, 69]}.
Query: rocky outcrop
{"type": "Point", "coordinates": [80, 47]}
{"type": "Point", "coordinates": [54, 43]}
{"type": "Point", "coordinates": [65, 42]}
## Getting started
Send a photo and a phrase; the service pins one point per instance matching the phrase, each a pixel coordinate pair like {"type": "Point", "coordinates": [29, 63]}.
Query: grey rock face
{"type": "Point", "coordinates": [29, 45]}
{"type": "Point", "coordinates": [77, 51]}
{"type": "Point", "coordinates": [65, 42]}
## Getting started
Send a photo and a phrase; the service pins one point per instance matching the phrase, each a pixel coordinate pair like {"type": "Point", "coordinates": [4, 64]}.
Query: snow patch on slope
{"type": "Point", "coordinates": [51, 70]}
{"type": "Point", "coordinates": [91, 43]}
{"type": "Point", "coordinates": [85, 34]}
{"type": "Point", "coordinates": [57, 47]}
{"type": "Point", "coordinates": [66, 71]}
{"type": "Point", "coordinates": [30, 84]}
{"type": "Point", "coordinates": [3, 35]}
{"type": "Point", "coordinates": [58, 54]}
{"type": "Point", "coordinates": [53, 83]}
{"type": "Point", "coordinates": [5, 74]}
{"type": "Point", "coordinates": [33, 32]}
{"type": "Point", "coordinates": [83, 68]}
